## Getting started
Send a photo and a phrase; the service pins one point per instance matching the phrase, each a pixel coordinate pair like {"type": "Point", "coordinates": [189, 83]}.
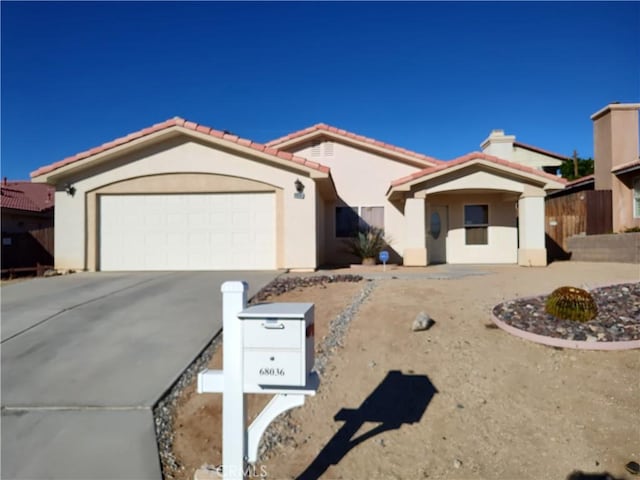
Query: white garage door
{"type": "Point", "coordinates": [231, 231]}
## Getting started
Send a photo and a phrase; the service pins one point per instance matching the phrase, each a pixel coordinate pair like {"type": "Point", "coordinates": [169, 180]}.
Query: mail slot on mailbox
{"type": "Point", "coordinates": [278, 343]}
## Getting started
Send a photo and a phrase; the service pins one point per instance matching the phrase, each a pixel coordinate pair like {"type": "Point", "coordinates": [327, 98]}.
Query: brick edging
{"type": "Point", "coordinates": [560, 342]}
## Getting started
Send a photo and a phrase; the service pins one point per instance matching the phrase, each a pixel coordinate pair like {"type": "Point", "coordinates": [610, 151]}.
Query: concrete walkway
{"type": "Point", "coordinates": [84, 359]}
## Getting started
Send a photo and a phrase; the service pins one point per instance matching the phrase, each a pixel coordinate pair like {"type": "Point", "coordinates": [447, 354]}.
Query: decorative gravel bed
{"type": "Point", "coordinates": [164, 410]}
{"type": "Point", "coordinates": [618, 317]}
{"type": "Point", "coordinates": [280, 430]}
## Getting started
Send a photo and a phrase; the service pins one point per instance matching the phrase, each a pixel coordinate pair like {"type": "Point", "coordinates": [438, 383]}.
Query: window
{"type": "Point", "coordinates": [476, 224]}
{"type": "Point", "coordinates": [436, 225]}
{"type": "Point", "coordinates": [346, 221]}
{"type": "Point", "coordinates": [350, 219]}
{"type": "Point", "coordinates": [372, 217]}
{"type": "Point", "coordinates": [636, 198]}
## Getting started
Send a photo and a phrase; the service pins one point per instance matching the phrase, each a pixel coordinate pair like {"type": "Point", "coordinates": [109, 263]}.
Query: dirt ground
{"type": "Point", "coordinates": [461, 400]}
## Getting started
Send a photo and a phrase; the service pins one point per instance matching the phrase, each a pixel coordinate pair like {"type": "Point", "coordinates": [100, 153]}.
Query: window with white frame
{"type": "Point", "coordinates": [636, 197]}
{"type": "Point", "coordinates": [351, 219]}
{"type": "Point", "coordinates": [476, 224]}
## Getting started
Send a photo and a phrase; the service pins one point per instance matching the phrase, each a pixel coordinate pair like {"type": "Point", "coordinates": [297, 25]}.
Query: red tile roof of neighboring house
{"type": "Point", "coordinates": [32, 197]}
{"type": "Point", "coordinates": [578, 181]}
{"type": "Point", "coordinates": [626, 166]}
{"type": "Point", "coordinates": [180, 122]}
{"type": "Point", "coordinates": [323, 127]}
{"type": "Point", "coordinates": [470, 157]}
{"type": "Point", "coordinates": [541, 150]}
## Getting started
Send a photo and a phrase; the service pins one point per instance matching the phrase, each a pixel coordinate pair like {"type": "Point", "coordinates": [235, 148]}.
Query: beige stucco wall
{"type": "Point", "coordinates": [163, 167]}
{"type": "Point", "coordinates": [534, 159]}
{"type": "Point", "coordinates": [602, 152]}
{"type": "Point", "coordinates": [321, 232]}
{"type": "Point", "coordinates": [615, 142]}
{"type": "Point", "coordinates": [502, 232]}
{"type": "Point", "coordinates": [472, 178]}
{"type": "Point", "coordinates": [622, 201]}
{"type": "Point", "coordinates": [362, 180]}
{"type": "Point", "coordinates": [504, 146]}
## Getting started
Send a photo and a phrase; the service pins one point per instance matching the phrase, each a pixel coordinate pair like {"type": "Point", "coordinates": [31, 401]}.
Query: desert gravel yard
{"type": "Point", "coordinates": [460, 400]}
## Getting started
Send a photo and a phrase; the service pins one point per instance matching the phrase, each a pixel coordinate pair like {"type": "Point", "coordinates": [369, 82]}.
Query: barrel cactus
{"type": "Point", "coordinates": [571, 303]}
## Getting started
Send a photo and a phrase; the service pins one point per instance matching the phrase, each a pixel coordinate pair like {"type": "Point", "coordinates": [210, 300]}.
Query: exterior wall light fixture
{"type": "Point", "coordinates": [299, 189]}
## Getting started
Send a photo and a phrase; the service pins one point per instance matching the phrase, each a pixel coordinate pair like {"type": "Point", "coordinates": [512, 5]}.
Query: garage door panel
{"type": "Point", "coordinates": [218, 219]}
{"type": "Point", "coordinates": [197, 220]}
{"type": "Point", "coordinates": [176, 221]}
{"type": "Point", "coordinates": [187, 232]}
{"type": "Point", "coordinates": [176, 239]}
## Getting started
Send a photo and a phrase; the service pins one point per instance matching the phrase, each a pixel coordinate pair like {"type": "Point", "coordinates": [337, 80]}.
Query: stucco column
{"type": "Point", "coordinates": [415, 251]}
{"type": "Point", "coordinates": [532, 251]}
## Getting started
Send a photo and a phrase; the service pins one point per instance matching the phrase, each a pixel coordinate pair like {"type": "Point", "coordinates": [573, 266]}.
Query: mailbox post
{"type": "Point", "coordinates": [268, 348]}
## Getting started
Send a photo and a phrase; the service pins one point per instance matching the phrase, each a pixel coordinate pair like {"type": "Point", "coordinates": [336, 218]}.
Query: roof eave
{"type": "Point", "coordinates": [546, 183]}
{"type": "Point", "coordinates": [55, 175]}
{"type": "Point", "coordinates": [628, 169]}
{"type": "Point", "coordinates": [541, 151]}
{"type": "Point", "coordinates": [374, 145]}
{"type": "Point", "coordinates": [52, 174]}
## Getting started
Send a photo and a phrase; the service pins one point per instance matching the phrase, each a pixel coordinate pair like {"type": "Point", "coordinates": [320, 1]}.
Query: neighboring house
{"type": "Point", "coordinates": [609, 200]}
{"type": "Point", "coordinates": [182, 196]}
{"type": "Point", "coordinates": [27, 224]}
{"type": "Point", "coordinates": [616, 161]}
{"type": "Point", "coordinates": [506, 147]}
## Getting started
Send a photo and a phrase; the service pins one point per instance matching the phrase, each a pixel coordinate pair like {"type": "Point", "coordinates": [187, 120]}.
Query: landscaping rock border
{"type": "Point", "coordinates": [164, 409]}
{"type": "Point", "coordinates": [616, 327]}
{"type": "Point", "coordinates": [280, 432]}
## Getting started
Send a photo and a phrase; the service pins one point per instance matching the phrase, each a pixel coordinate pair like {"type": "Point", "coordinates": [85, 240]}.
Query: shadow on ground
{"type": "Point", "coordinates": [399, 399]}
{"type": "Point", "coordinates": [577, 475]}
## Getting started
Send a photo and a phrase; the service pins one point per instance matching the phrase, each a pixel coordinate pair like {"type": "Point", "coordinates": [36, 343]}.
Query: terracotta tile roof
{"type": "Point", "coordinates": [470, 157]}
{"type": "Point", "coordinates": [625, 166]}
{"type": "Point", "coordinates": [32, 197]}
{"type": "Point", "coordinates": [180, 122]}
{"type": "Point", "coordinates": [323, 127]}
{"type": "Point", "coordinates": [578, 181]}
{"type": "Point", "coordinates": [541, 150]}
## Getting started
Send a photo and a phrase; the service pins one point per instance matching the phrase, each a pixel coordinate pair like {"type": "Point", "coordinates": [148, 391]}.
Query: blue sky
{"type": "Point", "coordinates": [431, 77]}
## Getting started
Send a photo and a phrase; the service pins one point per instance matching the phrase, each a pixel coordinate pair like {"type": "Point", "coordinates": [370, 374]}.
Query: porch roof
{"type": "Point", "coordinates": [517, 171]}
{"type": "Point", "coordinates": [626, 167]}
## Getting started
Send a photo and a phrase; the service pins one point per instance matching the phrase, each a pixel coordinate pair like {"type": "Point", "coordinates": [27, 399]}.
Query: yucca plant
{"type": "Point", "coordinates": [367, 243]}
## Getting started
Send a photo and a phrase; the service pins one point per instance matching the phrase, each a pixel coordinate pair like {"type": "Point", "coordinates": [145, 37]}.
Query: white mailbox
{"type": "Point", "coordinates": [278, 343]}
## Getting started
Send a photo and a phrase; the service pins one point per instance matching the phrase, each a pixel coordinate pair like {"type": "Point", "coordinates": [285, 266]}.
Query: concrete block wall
{"type": "Point", "coordinates": [620, 247]}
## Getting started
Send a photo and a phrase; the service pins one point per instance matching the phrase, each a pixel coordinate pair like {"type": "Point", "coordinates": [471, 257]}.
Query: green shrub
{"type": "Point", "coordinates": [571, 303]}
{"type": "Point", "coordinates": [368, 242]}
{"type": "Point", "coordinates": [631, 230]}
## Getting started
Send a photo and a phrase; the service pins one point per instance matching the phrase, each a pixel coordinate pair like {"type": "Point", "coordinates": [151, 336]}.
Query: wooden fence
{"type": "Point", "coordinates": [587, 212]}
{"type": "Point", "coordinates": [27, 250]}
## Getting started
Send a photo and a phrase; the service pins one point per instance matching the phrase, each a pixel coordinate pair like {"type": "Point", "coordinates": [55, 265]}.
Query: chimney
{"type": "Point", "coordinates": [615, 140]}
{"type": "Point", "coordinates": [499, 145]}
{"type": "Point", "coordinates": [4, 181]}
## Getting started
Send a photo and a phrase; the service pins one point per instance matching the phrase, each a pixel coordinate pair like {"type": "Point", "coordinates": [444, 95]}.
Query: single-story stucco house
{"type": "Point", "coordinates": [182, 196]}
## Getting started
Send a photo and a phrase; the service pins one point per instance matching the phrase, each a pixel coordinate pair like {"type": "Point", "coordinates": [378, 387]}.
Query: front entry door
{"type": "Point", "coordinates": [437, 228]}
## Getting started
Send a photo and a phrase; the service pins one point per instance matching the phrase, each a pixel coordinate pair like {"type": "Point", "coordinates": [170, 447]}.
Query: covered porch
{"type": "Point", "coordinates": [476, 210]}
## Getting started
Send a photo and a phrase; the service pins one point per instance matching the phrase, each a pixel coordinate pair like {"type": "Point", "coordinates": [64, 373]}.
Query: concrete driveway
{"type": "Point", "coordinates": [86, 356]}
